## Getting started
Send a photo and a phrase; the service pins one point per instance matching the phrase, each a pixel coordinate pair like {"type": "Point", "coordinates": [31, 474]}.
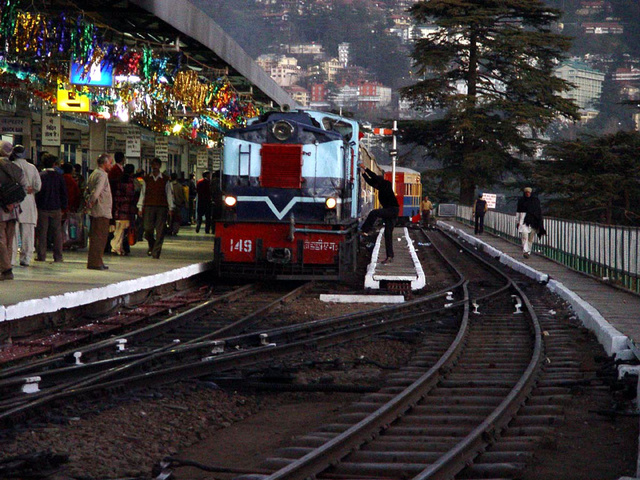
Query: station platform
{"type": "Point", "coordinates": [611, 313]}
{"type": "Point", "coordinates": [405, 267]}
{"type": "Point", "coordinates": [46, 287]}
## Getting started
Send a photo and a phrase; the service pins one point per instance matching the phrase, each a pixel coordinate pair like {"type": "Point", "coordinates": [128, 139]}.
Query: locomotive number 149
{"type": "Point", "coordinates": [240, 245]}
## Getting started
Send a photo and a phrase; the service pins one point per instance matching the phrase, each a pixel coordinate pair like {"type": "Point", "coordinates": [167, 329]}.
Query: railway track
{"type": "Point", "coordinates": [38, 382]}
{"type": "Point", "coordinates": [474, 401]}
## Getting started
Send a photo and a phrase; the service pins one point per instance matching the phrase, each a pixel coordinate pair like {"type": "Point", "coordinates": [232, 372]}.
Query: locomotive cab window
{"type": "Point", "coordinates": [343, 128]}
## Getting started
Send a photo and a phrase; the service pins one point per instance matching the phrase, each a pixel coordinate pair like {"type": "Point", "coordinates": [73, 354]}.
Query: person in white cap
{"type": "Point", "coordinates": [28, 216]}
{"type": "Point", "coordinates": [529, 220]}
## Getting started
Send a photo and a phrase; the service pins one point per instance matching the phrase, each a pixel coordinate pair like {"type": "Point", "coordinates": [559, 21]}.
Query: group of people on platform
{"type": "Point", "coordinates": [123, 206]}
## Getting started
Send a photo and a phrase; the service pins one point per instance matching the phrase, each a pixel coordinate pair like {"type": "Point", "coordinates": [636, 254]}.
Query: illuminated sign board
{"type": "Point", "coordinates": [70, 101]}
{"type": "Point", "coordinates": [97, 76]}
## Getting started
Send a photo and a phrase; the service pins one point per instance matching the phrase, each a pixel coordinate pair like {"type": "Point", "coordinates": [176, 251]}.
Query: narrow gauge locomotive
{"type": "Point", "coordinates": [291, 197]}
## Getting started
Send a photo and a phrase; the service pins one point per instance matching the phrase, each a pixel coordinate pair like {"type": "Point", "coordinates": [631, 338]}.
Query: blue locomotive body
{"type": "Point", "coordinates": [291, 197]}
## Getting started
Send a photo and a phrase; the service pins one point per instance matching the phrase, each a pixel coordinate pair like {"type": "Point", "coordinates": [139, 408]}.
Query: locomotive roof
{"type": "Point", "coordinates": [298, 117]}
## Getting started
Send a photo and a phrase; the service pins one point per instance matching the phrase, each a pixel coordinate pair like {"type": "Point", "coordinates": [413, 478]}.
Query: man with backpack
{"type": "Point", "coordinates": [11, 179]}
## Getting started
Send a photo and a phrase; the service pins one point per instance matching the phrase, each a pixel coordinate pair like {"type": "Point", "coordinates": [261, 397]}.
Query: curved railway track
{"type": "Point", "coordinates": [471, 404]}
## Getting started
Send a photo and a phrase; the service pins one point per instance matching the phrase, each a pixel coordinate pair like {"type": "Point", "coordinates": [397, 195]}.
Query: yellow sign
{"type": "Point", "coordinates": [70, 101]}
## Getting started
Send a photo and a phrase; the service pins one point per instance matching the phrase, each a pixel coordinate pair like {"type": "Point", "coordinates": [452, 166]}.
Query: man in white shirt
{"type": "Point", "coordinates": [28, 212]}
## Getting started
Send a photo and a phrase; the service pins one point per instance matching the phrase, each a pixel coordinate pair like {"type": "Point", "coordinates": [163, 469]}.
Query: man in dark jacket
{"type": "Point", "coordinates": [51, 201]}
{"type": "Point", "coordinates": [388, 213]}
{"type": "Point", "coordinates": [529, 220]}
{"type": "Point", "coordinates": [204, 202]}
{"type": "Point", "coordinates": [479, 209]}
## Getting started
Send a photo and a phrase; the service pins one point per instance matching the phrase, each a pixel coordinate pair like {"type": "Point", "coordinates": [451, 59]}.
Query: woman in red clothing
{"type": "Point", "coordinates": [74, 196]}
{"type": "Point", "coordinates": [124, 207]}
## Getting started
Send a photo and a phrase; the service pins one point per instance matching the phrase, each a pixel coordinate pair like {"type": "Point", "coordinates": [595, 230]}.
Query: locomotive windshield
{"type": "Point", "coordinates": [343, 128]}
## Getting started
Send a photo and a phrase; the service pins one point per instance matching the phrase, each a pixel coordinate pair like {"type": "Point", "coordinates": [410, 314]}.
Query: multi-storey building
{"type": "Point", "coordinates": [318, 92]}
{"type": "Point", "coordinates": [343, 54]}
{"type": "Point", "coordinates": [588, 8]}
{"type": "Point", "coordinates": [306, 49]}
{"type": "Point", "coordinates": [586, 80]}
{"type": "Point", "coordinates": [627, 75]}
{"type": "Point", "coordinates": [372, 95]}
{"type": "Point", "coordinates": [331, 68]}
{"type": "Point", "coordinates": [284, 70]}
{"type": "Point", "coordinates": [299, 94]}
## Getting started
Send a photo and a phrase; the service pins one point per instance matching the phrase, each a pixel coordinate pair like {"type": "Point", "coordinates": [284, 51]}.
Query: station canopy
{"type": "Point", "coordinates": [162, 64]}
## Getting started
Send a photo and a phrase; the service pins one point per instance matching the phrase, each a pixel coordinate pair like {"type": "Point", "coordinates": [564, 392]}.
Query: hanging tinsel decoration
{"type": "Point", "coordinates": [159, 66]}
{"type": "Point", "coordinates": [26, 33]}
{"type": "Point", "coordinates": [188, 89]}
{"type": "Point", "coordinates": [145, 63]}
{"type": "Point", "coordinates": [36, 49]}
{"type": "Point", "coordinates": [8, 18]}
{"type": "Point", "coordinates": [129, 63]}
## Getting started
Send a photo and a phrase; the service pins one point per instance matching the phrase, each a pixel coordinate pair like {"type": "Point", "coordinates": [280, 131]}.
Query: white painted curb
{"type": "Point", "coordinates": [330, 298]}
{"type": "Point", "coordinates": [609, 337]}
{"type": "Point", "coordinates": [372, 280]}
{"type": "Point", "coordinates": [84, 297]}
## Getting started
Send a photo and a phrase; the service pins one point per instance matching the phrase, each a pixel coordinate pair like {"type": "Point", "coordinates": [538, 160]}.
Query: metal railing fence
{"type": "Point", "coordinates": [606, 251]}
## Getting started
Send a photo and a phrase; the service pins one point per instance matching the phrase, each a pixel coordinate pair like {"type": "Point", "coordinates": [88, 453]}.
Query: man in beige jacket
{"type": "Point", "coordinates": [98, 205]}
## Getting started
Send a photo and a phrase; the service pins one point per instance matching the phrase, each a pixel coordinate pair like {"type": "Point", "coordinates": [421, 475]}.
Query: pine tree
{"type": "Point", "coordinates": [488, 68]}
{"type": "Point", "coordinates": [594, 178]}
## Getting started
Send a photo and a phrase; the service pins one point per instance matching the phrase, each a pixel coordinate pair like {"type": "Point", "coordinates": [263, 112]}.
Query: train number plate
{"type": "Point", "coordinates": [245, 246]}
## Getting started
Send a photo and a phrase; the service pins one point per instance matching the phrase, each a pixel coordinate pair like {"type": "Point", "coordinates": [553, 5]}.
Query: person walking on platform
{"type": "Point", "coordinates": [117, 170]}
{"type": "Point", "coordinates": [529, 220]}
{"type": "Point", "coordinates": [479, 209]}
{"type": "Point", "coordinates": [9, 174]}
{"type": "Point", "coordinates": [28, 214]}
{"type": "Point", "coordinates": [99, 203]}
{"type": "Point", "coordinates": [388, 213]}
{"type": "Point", "coordinates": [203, 200]}
{"type": "Point", "coordinates": [124, 209]}
{"type": "Point", "coordinates": [51, 201]}
{"type": "Point", "coordinates": [425, 209]}
{"type": "Point", "coordinates": [180, 201]}
{"type": "Point", "coordinates": [156, 206]}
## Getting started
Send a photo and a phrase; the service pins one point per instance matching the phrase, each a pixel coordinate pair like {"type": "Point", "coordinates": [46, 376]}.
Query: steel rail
{"type": "Point", "coordinates": [333, 451]}
{"type": "Point", "coordinates": [160, 327]}
{"type": "Point", "coordinates": [115, 366]}
{"type": "Point", "coordinates": [451, 463]}
{"type": "Point", "coordinates": [205, 366]}
{"type": "Point", "coordinates": [489, 430]}
{"type": "Point", "coordinates": [276, 335]}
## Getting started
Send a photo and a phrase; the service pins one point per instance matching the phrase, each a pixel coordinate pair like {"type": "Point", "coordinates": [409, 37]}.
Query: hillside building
{"type": "Point", "coordinates": [299, 94]}
{"type": "Point", "coordinates": [587, 81]}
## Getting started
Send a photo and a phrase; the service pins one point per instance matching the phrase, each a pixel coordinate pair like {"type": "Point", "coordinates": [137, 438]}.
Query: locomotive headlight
{"type": "Point", "coordinates": [230, 201]}
{"type": "Point", "coordinates": [331, 203]}
{"type": "Point", "coordinates": [282, 130]}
